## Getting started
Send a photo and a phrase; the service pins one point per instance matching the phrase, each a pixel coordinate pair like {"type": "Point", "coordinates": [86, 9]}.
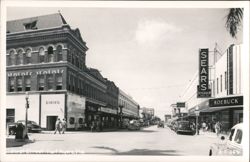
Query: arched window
{"type": "Point", "coordinates": [59, 53]}
{"type": "Point", "coordinates": [19, 59]}
{"type": "Point", "coordinates": [12, 58]}
{"type": "Point", "coordinates": [50, 54]}
{"type": "Point", "coordinates": [41, 55]}
{"type": "Point", "coordinates": [28, 56]}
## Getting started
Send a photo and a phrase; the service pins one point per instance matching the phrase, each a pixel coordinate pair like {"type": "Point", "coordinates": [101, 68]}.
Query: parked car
{"type": "Point", "coordinates": [134, 125]}
{"type": "Point", "coordinates": [160, 124]}
{"type": "Point", "coordinates": [184, 127]}
{"type": "Point", "coordinates": [32, 126]}
{"type": "Point", "coordinates": [231, 146]}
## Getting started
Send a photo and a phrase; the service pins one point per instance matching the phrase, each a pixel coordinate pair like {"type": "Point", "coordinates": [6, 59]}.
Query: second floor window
{"type": "Point", "coordinates": [50, 82]}
{"type": "Point", "coordinates": [19, 84]}
{"type": "Point", "coordinates": [11, 84]}
{"type": "Point", "coordinates": [59, 82]}
{"type": "Point", "coordinates": [59, 53]}
{"type": "Point", "coordinates": [12, 58]}
{"type": "Point", "coordinates": [41, 82]}
{"type": "Point", "coordinates": [27, 83]}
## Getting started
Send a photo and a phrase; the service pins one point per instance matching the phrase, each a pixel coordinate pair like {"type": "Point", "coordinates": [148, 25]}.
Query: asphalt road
{"type": "Point", "coordinates": [148, 141]}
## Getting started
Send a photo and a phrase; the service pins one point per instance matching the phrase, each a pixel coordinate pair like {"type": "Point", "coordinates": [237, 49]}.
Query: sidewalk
{"type": "Point", "coordinates": [12, 142]}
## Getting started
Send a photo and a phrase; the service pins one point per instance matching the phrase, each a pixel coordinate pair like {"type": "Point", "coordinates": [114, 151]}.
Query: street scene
{"type": "Point", "coordinates": [128, 81]}
{"type": "Point", "coordinates": [147, 141]}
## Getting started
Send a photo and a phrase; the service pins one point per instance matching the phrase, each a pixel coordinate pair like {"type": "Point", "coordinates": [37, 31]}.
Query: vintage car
{"type": "Point", "coordinates": [160, 124]}
{"type": "Point", "coordinates": [134, 125]}
{"type": "Point", "coordinates": [32, 126]}
{"type": "Point", "coordinates": [184, 127]}
{"type": "Point", "coordinates": [231, 146]}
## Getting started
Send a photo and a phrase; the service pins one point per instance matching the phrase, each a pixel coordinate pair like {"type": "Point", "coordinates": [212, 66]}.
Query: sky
{"type": "Point", "coordinates": [150, 53]}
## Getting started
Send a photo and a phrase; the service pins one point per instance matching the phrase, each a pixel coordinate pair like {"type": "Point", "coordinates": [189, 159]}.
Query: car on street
{"type": "Point", "coordinates": [134, 125]}
{"type": "Point", "coordinates": [32, 126]}
{"type": "Point", "coordinates": [184, 127]}
{"type": "Point", "coordinates": [232, 146]}
{"type": "Point", "coordinates": [160, 124]}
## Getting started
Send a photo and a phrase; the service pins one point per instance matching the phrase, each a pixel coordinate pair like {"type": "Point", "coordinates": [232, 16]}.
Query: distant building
{"type": "Point", "coordinates": [167, 117]}
{"type": "Point", "coordinates": [147, 113]}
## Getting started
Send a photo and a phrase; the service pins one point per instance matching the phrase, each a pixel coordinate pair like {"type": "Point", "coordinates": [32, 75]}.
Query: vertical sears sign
{"type": "Point", "coordinates": [203, 90]}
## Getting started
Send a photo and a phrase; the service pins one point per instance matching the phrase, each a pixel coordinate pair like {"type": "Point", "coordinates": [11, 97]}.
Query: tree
{"type": "Point", "coordinates": [234, 20]}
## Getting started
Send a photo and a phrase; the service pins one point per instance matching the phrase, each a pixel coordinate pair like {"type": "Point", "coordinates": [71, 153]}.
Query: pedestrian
{"type": "Point", "coordinates": [217, 127]}
{"type": "Point", "coordinates": [204, 125]}
{"type": "Point", "coordinates": [58, 126]}
{"type": "Point", "coordinates": [64, 123]}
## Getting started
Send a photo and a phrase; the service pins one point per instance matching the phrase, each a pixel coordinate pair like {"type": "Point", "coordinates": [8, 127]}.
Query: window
{"type": "Point", "coordinates": [58, 81]}
{"type": "Point", "coordinates": [217, 85]}
{"type": "Point", "coordinates": [12, 58]}
{"type": "Point", "coordinates": [71, 120]}
{"type": "Point", "coordinates": [19, 84]}
{"type": "Point", "coordinates": [41, 55]}
{"type": "Point", "coordinates": [30, 26]}
{"type": "Point", "coordinates": [221, 83]}
{"type": "Point", "coordinates": [28, 56]}
{"type": "Point", "coordinates": [231, 134]}
{"type": "Point", "coordinates": [238, 136]}
{"type": "Point", "coordinates": [50, 81]}
{"type": "Point", "coordinates": [41, 82]}
{"type": "Point", "coordinates": [19, 59]}
{"type": "Point", "coordinates": [50, 54]}
{"type": "Point", "coordinates": [10, 116]}
{"type": "Point", "coordinates": [225, 80]}
{"type": "Point", "coordinates": [11, 84]}
{"type": "Point", "coordinates": [80, 120]}
{"type": "Point", "coordinates": [27, 83]}
{"type": "Point", "coordinates": [59, 53]}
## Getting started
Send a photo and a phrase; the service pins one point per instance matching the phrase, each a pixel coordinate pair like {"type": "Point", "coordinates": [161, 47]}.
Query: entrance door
{"type": "Point", "coordinates": [51, 121]}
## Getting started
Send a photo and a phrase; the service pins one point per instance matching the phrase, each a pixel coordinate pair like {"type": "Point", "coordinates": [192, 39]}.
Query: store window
{"type": "Point", "coordinates": [50, 81]}
{"type": "Point", "coordinates": [59, 53]}
{"type": "Point", "coordinates": [10, 116]}
{"type": "Point", "coordinates": [50, 54]}
{"type": "Point", "coordinates": [41, 55]}
{"type": "Point", "coordinates": [58, 81]}
{"type": "Point", "coordinates": [28, 56]}
{"type": "Point", "coordinates": [12, 58]}
{"type": "Point", "coordinates": [238, 136]}
{"type": "Point", "coordinates": [11, 84]}
{"type": "Point", "coordinates": [71, 120]}
{"type": "Point", "coordinates": [41, 82]}
{"type": "Point", "coordinates": [19, 57]}
{"type": "Point", "coordinates": [19, 84]}
{"type": "Point", "coordinates": [27, 83]}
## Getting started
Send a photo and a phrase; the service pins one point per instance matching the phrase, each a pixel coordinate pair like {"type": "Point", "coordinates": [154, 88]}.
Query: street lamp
{"type": "Point", "coordinates": [26, 114]}
{"type": "Point", "coordinates": [197, 112]}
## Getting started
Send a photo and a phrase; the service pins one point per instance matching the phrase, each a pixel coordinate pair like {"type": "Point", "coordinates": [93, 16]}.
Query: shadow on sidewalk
{"type": "Point", "coordinates": [147, 152]}
{"type": "Point", "coordinates": [11, 142]}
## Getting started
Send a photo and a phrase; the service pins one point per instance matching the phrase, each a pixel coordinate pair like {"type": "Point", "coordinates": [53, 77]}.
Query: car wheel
{"type": "Point", "coordinates": [210, 152]}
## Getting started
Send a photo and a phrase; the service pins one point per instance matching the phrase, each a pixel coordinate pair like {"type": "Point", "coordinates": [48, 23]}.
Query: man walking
{"type": "Point", "coordinates": [64, 126]}
{"type": "Point", "coordinates": [58, 126]}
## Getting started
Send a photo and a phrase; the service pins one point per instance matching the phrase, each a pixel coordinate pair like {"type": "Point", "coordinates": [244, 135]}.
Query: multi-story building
{"type": "Point", "coordinates": [46, 58]}
{"type": "Point", "coordinates": [128, 107]}
{"type": "Point", "coordinates": [225, 81]}
{"type": "Point", "coordinates": [148, 113]}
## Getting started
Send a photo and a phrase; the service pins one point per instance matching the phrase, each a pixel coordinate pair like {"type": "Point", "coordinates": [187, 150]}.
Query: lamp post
{"type": "Point", "coordinates": [26, 114]}
{"type": "Point", "coordinates": [197, 112]}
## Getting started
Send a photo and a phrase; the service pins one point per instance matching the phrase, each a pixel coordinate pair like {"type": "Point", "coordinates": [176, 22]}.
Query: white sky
{"type": "Point", "coordinates": [151, 54]}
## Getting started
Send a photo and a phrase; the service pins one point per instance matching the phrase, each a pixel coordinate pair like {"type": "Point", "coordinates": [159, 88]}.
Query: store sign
{"type": "Point", "coordinates": [180, 104]}
{"type": "Point", "coordinates": [228, 101]}
{"type": "Point", "coordinates": [203, 87]}
{"type": "Point", "coordinates": [40, 72]}
{"type": "Point", "coordinates": [108, 110]}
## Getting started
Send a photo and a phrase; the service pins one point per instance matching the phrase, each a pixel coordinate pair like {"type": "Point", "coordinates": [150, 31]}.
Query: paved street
{"type": "Point", "coordinates": [148, 141]}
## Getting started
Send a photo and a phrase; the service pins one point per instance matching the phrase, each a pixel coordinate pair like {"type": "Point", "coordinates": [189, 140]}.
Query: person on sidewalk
{"type": "Point", "coordinates": [64, 123]}
{"type": "Point", "coordinates": [58, 126]}
{"type": "Point", "coordinates": [217, 127]}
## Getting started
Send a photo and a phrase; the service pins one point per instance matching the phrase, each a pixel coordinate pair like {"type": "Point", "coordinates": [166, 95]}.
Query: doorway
{"type": "Point", "coordinates": [51, 121]}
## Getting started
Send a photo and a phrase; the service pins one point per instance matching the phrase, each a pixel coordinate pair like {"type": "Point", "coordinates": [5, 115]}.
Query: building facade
{"type": "Point", "coordinates": [46, 58]}
{"type": "Point", "coordinates": [226, 101]}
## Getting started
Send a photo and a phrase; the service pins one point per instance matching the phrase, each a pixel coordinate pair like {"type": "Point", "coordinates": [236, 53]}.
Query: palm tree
{"type": "Point", "coordinates": [234, 19]}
